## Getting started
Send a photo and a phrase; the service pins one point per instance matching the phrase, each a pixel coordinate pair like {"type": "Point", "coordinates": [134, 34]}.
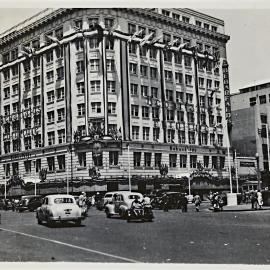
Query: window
{"type": "Point", "coordinates": [202, 101]}
{"type": "Point", "coordinates": [167, 56]}
{"type": "Point", "coordinates": [15, 89]}
{"type": "Point", "coordinates": [92, 21]}
{"type": "Point", "coordinates": [95, 86]}
{"type": "Point", "coordinates": [144, 70]}
{"type": "Point", "coordinates": [27, 85]}
{"type": "Point", "coordinates": [49, 56]}
{"type": "Point", "coordinates": [79, 44]}
{"type": "Point", "coordinates": [27, 166]}
{"type": "Point", "coordinates": [168, 75]}
{"type": "Point", "coordinates": [153, 73]}
{"type": "Point", "coordinates": [6, 74]}
{"type": "Point", "coordinates": [61, 136]}
{"type": "Point", "coordinates": [219, 119]}
{"type": "Point", "coordinates": [96, 107]}
{"type": "Point", "coordinates": [156, 132]}
{"type": "Point", "coordinates": [111, 86]}
{"type": "Point", "coordinates": [60, 92]}
{"type": "Point", "coordinates": [181, 136]}
{"type": "Point", "coordinates": [214, 28]}
{"type": "Point", "coordinates": [36, 81]}
{"type": "Point", "coordinates": [185, 19]}
{"type": "Point", "coordinates": [262, 99]}
{"type": "Point", "coordinates": [216, 83]}
{"type": "Point", "coordinates": [37, 140]}
{"type": "Point", "coordinates": [172, 160]}
{"type": "Point", "coordinates": [109, 44]}
{"type": "Point", "coordinates": [218, 101]}
{"type": "Point", "coordinates": [16, 145]}
{"type": "Point", "coordinates": [7, 147]}
{"type": "Point", "coordinates": [51, 138]}
{"type": "Point", "coordinates": [50, 163]}
{"type": "Point", "coordinates": [7, 110]}
{"type": "Point", "coordinates": [131, 28]}
{"type": "Point", "coordinates": [78, 24]}
{"type": "Point", "coordinates": [27, 122]}
{"type": "Point", "coordinates": [178, 58]}
{"type": "Point", "coordinates": [201, 82]}
{"type": "Point", "coordinates": [144, 90]}
{"type": "Point", "coordinates": [153, 53]}
{"type": "Point", "coordinates": [50, 96]}
{"type": "Point", "coordinates": [203, 118]}
{"type": "Point", "coordinates": [27, 103]}
{"type": "Point", "coordinates": [133, 68]}
{"type": "Point", "coordinates": [50, 117]}
{"type": "Point", "coordinates": [14, 54]}
{"type": "Point", "coordinates": [147, 159]}
{"type": "Point", "coordinates": [6, 92]}
{"type": "Point", "coordinates": [204, 138]}
{"type": "Point", "coordinates": [137, 159]}
{"type": "Point", "coordinates": [110, 65]}
{"type": "Point", "coordinates": [158, 159]}
{"type": "Point", "coordinates": [132, 48]}
{"type": "Point", "coordinates": [135, 132]}
{"type": "Point", "coordinates": [190, 117]}
{"type": "Point", "coordinates": [193, 161]}
{"type": "Point", "coordinates": [27, 143]}
{"type": "Point", "coordinates": [59, 33]}
{"type": "Point", "coordinates": [183, 161]}
{"type": "Point", "coordinates": [187, 61]}
{"type": "Point", "coordinates": [220, 139]}
{"type": "Point", "coordinates": [191, 137]}
{"type": "Point", "coordinates": [82, 159]}
{"type": "Point", "coordinates": [206, 26]}
{"type": "Point", "coordinates": [222, 162]}
{"type": "Point", "coordinates": [169, 95]}
{"type": "Point", "coordinates": [15, 70]}
{"type": "Point", "coordinates": [146, 131]}
{"type": "Point", "coordinates": [60, 73]}
{"type": "Point", "coordinates": [81, 109]}
{"type": "Point", "coordinates": [212, 138]}
{"type": "Point", "coordinates": [109, 23]}
{"type": "Point", "coordinates": [113, 158]}
{"type": "Point", "coordinates": [93, 43]}
{"type": "Point", "coordinates": [155, 113]}
{"type": "Point", "coordinates": [198, 23]}
{"type": "Point", "coordinates": [154, 92]}
{"type": "Point", "coordinates": [178, 77]}
{"type": "Point", "coordinates": [37, 120]}
{"type": "Point", "coordinates": [166, 38]}
{"type": "Point", "coordinates": [26, 66]}
{"type": "Point", "coordinates": [111, 108]}
{"type": "Point", "coordinates": [81, 130]}
{"type": "Point", "coordinates": [209, 66]}
{"type": "Point", "coordinates": [214, 162]}
{"type": "Point", "coordinates": [80, 66]}
{"type": "Point", "coordinates": [94, 64]}
{"type": "Point", "coordinates": [171, 134]}
{"type": "Point", "coordinates": [188, 80]}
{"type": "Point", "coordinates": [143, 51]}
{"type": "Point", "coordinates": [176, 16]}
{"type": "Point", "coordinates": [6, 58]}
{"type": "Point", "coordinates": [134, 110]}
{"type": "Point", "coordinates": [36, 62]}
{"type": "Point", "coordinates": [180, 116]}
{"type": "Point", "coordinates": [15, 107]}
{"type": "Point", "coordinates": [59, 52]}
{"type": "Point", "coordinates": [209, 84]}
{"type": "Point", "coordinates": [134, 89]}
{"type": "Point", "coordinates": [145, 112]}
{"type": "Point", "coordinates": [205, 161]}
{"type": "Point", "coordinates": [50, 76]}
{"type": "Point", "coordinates": [16, 126]}
{"type": "Point", "coordinates": [80, 88]}
{"type": "Point", "coordinates": [61, 114]}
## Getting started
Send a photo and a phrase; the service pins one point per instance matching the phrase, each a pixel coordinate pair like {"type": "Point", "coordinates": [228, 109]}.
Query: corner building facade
{"type": "Point", "coordinates": [73, 99]}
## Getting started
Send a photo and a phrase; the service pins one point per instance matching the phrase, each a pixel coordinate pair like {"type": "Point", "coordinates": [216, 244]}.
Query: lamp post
{"type": "Point", "coordinates": [258, 171]}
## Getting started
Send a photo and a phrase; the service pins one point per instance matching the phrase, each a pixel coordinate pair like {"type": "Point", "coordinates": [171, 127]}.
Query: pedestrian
{"type": "Point", "coordinates": [259, 199]}
{"type": "Point", "coordinates": [165, 202]}
{"type": "Point", "coordinates": [82, 199]}
{"type": "Point", "coordinates": [197, 202]}
{"type": "Point", "coordinates": [93, 201]}
{"type": "Point", "coordinates": [253, 199]}
{"type": "Point", "coordinates": [184, 202]}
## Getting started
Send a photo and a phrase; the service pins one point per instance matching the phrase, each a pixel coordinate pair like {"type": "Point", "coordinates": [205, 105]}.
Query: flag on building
{"type": "Point", "coordinates": [182, 46]}
{"type": "Point", "coordinates": [136, 34]}
{"type": "Point", "coordinates": [54, 39]}
{"type": "Point", "coordinates": [146, 38]}
{"type": "Point", "coordinates": [155, 40]}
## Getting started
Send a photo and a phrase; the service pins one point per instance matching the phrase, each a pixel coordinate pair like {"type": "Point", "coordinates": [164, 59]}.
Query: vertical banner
{"type": "Point", "coordinates": [124, 64]}
{"type": "Point", "coordinates": [226, 84]}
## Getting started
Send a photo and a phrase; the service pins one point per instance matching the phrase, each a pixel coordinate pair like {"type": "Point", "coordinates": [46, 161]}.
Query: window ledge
{"type": "Point", "coordinates": [80, 116]}
{"type": "Point", "coordinates": [81, 168]}
{"type": "Point", "coordinates": [51, 123]}
{"type": "Point", "coordinates": [60, 121]}
{"type": "Point", "coordinates": [62, 170]}
{"type": "Point", "coordinates": [60, 99]}
{"type": "Point", "coordinates": [80, 95]}
{"type": "Point", "coordinates": [50, 102]}
{"type": "Point", "coordinates": [114, 166]}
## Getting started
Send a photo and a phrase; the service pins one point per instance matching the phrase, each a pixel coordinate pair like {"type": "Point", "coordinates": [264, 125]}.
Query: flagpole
{"type": "Point", "coordinates": [228, 151]}
{"type": "Point", "coordinates": [129, 182]}
{"type": "Point", "coordinates": [236, 172]}
{"type": "Point", "coordinates": [35, 166]}
{"type": "Point", "coordinates": [5, 181]}
{"type": "Point", "coordinates": [268, 152]}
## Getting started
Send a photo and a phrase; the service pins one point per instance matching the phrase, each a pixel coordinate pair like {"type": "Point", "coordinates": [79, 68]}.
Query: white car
{"type": "Point", "coordinates": [121, 202]}
{"type": "Point", "coordinates": [59, 208]}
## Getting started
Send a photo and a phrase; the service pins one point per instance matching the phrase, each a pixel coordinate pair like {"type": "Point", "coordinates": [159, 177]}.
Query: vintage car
{"type": "Point", "coordinates": [105, 200]}
{"type": "Point", "coordinates": [30, 203]}
{"type": "Point", "coordinates": [120, 203]}
{"type": "Point", "coordinates": [59, 208]}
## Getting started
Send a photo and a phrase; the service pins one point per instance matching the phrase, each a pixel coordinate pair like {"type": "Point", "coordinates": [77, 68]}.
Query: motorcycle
{"type": "Point", "coordinates": [143, 213]}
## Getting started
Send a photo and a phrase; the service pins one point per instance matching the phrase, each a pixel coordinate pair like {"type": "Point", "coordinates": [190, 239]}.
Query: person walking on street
{"type": "Point", "coordinates": [197, 202]}
{"type": "Point", "coordinates": [184, 202]}
{"type": "Point", "coordinates": [253, 199]}
{"type": "Point", "coordinates": [259, 199]}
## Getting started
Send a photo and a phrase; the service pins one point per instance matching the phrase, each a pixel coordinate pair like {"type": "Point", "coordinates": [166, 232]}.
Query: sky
{"type": "Point", "coordinates": [248, 50]}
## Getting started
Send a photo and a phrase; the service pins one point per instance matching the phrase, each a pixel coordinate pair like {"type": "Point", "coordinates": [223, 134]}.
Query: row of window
{"type": "Point", "coordinates": [260, 99]}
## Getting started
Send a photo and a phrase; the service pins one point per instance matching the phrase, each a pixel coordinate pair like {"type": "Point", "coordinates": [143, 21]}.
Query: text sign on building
{"type": "Point", "coordinates": [226, 83]}
{"type": "Point", "coordinates": [247, 164]}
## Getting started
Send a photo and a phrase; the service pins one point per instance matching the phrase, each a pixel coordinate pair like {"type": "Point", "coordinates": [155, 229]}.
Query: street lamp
{"type": "Point", "coordinates": [258, 171]}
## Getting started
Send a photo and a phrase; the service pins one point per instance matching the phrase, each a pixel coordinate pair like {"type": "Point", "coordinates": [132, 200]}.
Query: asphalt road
{"type": "Point", "coordinates": [173, 237]}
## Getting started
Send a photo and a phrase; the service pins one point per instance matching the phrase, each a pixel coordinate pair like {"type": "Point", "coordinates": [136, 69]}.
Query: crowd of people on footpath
{"type": "Point", "coordinates": [256, 200]}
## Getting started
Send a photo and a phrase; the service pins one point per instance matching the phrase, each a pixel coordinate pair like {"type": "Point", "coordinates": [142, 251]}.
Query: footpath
{"type": "Point", "coordinates": [241, 207]}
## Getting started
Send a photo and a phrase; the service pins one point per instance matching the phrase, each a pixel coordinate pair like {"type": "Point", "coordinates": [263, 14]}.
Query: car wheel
{"type": "Point", "coordinates": [39, 220]}
{"type": "Point", "coordinates": [107, 213]}
{"type": "Point", "coordinates": [78, 222]}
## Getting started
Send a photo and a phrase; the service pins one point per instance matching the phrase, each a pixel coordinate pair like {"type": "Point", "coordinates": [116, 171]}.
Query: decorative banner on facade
{"type": "Point", "coordinates": [225, 69]}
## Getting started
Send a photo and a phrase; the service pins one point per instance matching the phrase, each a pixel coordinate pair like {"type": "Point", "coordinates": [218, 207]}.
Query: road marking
{"type": "Point", "coordinates": [73, 246]}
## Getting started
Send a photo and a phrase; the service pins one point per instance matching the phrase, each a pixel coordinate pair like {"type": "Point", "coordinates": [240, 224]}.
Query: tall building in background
{"type": "Point", "coordinates": [113, 90]}
{"type": "Point", "coordinates": [251, 119]}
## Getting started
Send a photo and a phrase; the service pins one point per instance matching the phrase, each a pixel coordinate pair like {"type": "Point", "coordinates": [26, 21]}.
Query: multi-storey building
{"type": "Point", "coordinates": [125, 96]}
{"type": "Point", "coordinates": [251, 119]}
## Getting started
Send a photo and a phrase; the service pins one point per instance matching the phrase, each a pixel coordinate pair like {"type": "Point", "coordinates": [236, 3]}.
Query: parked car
{"type": "Point", "coordinates": [172, 200]}
{"type": "Point", "coordinates": [106, 199]}
{"type": "Point", "coordinates": [31, 203]}
{"type": "Point", "coordinates": [120, 203]}
{"type": "Point", "coordinates": [59, 208]}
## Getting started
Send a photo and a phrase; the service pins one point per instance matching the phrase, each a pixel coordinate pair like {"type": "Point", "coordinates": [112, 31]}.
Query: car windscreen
{"type": "Point", "coordinates": [108, 196]}
{"type": "Point", "coordinates": [133, 197]}
{"type": "Point", "coordinates": [63, 200]}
